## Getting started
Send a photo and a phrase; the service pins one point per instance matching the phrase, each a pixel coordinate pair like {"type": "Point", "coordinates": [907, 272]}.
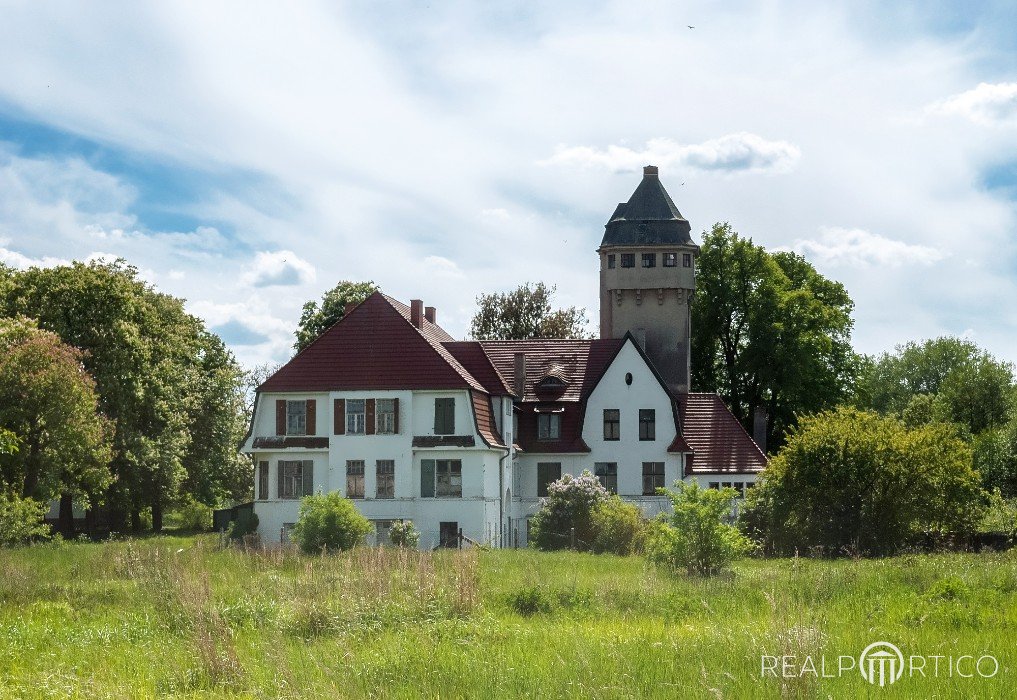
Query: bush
{"type": "Point", "coordinates": [192, 515]}
{"type": "Point", "coordinates": [403, 534]}
{"type": "Point", "coordinates": [618, 527]}
{"type": "Point", "coordinates": [850, 480]}
{"type": "Point", "coordinates": [1000, 516]}
{"type": "Point", "coordinates": [21, 520]}
{"type": "Point", "coordinates": [329, 522]}
{"type": "Point", "coordinates": [695, 539]}
{"type": "Point", "coordinates": [245, 524]}
{"type": "Point", "coordinates": [565, 518]}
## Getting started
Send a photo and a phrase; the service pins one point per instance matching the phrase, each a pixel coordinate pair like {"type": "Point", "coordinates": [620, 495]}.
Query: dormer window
{"type": "Point", "coordinates": [628, 259]}
{"type": "Point", "coordinates": [670, 259]}
{"type": "Point", "coordinates": [649, 259]}
{"type": "Point", "coordinates": [550, 384]}
{"type": "Point", "coordinates": [548, 426]}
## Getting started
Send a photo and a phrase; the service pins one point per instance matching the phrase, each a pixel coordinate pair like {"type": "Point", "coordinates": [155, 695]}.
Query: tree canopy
{"type": "Point", "coordinates": [316, 318]}
{"type": "Point", "coordinates": [946, 378]}
{"type": "Point", "coordinates": [769, 331]}
{"type": "Point", "coordinates": [49, 405]}
{"type": "Point", "coordinates": [526, 312]}
{"type": "Point", "coordinates": [167, 385]}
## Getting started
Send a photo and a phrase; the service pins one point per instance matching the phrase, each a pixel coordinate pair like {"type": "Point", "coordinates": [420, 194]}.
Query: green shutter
{"type": "Point", "coordinates": [427, 478]}
{"type": "Point", "coordinates": [307, 473]}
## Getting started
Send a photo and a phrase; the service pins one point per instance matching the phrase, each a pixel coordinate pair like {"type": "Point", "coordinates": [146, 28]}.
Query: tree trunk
{"type": "Point", "coordinates": [135, 519]}
{"type": "Point", "coordinates": [66, 515]}
{"type": "Point", "coordinates": [32, 466]}
{"type": "Point", "coordinates": [157, 516]}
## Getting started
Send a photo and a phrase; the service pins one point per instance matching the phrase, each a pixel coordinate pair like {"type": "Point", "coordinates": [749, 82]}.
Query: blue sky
{"type": "Point", "coordinates": [246, 156]}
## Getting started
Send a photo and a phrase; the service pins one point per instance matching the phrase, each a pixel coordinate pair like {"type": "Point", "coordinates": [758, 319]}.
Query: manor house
{"type": "Point", "coordinates": [465, 436]}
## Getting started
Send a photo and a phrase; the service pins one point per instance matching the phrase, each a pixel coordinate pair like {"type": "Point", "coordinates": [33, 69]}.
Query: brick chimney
{"type": "Point", "coordinates": [650, 170]}
{"type": "Point", "coordinates": [430, 313]}
{"type": "Point", "coordinates": [417, 312]}
{"type": "Point", "coordinates": [519, 385]}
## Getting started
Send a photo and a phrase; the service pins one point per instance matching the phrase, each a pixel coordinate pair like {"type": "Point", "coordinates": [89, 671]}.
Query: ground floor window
{"type": "Point", "coordinates": [296, 478]}
{"type": "Point", "coordinates": [385, 478]}
{"type": "Point", "coordinates": [442, 478]}
{"type": "Point", "coordinates": [381, 531]}
{"type": "Point", "coordinates": [653, 477]}
{"type": "Point", "coordinates": [547, 474]}
{"type": "Point", "coordinates": [607, 472]}
{"type": "Point", "coordinates": [355, 478]}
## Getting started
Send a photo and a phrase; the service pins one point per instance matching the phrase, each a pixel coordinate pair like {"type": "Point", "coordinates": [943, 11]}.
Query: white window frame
{"type": "Point", "coordinates": [356, 421]}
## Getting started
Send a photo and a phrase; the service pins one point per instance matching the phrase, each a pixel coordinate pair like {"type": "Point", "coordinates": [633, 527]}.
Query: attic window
{"type": "Point", "coordinates": [687, 260]}
{"type": "Point", "coordinates": [551, 383]}
{"type": "Point", "coordinates": [610, 262]}
{"type": "Point", "coordinates": [649, 259]}
{"type": "Point", "coordinates": [670, 259]}
{"type": "Point", "coordinates": [548, 426]}
{"type": "Point", "coordinates": [628, 259]}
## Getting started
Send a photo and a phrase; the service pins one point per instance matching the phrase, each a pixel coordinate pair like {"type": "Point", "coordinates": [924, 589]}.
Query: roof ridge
{"type": "Point", "coordinates": [438, 347]}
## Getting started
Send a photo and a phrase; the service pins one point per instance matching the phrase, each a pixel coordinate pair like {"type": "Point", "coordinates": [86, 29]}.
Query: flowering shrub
{"type": "Point", "coordinates": [403, 534]}
{"type": "Point", "coordinates": [565, 518]}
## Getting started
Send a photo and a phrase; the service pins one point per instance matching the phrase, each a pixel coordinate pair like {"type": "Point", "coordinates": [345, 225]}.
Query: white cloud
{"type": "Point", "coordinates": [855, 247]}
{"type": "Point", "coordinates": [442, 267]}
{"type": "Point", "coordinates": [13, 258]}
{"type": "Point", "coordinates": [992, 104]}
{"type": "Point", "coordinates": [282, 268]}
{"type": "Point", "coordinates": [740, 152]}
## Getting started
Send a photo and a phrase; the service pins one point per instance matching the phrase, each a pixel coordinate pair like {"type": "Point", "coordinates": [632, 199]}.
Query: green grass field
{"type": "Point", "coordinates": [179, 617]}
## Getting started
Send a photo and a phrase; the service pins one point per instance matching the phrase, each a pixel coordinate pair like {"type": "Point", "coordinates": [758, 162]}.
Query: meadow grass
{"type": "Point", "coordinates": [180, 617]}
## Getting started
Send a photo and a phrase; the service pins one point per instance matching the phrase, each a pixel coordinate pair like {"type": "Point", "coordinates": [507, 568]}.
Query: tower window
{"type": "Point", "coordinates": [628, 259]}
{"type": "Point", "coordinates": [649, 259]}
{"type": "Point", "coordinates": [670, 259]}
{"type": "Point", "coordinates": [610, 262]}
{"type": "Point", "coordinates": [687, 260]}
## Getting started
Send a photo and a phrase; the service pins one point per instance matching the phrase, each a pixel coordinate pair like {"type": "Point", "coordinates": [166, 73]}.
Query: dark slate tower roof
{"type": "Point", "coordinates": [648, 218]}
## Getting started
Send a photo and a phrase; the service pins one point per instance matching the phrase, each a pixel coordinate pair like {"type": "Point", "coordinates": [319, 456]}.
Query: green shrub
{"type": "Point", "coordinates": [854, 481]}
{"type": "Point", "coordinates": [403, 534]}
{"type": "Point", "coordinates": [192, 515]}
{"type": "Point", "coordinates": [329, 522]}
{"type": "Point", "coordinates": [530, 600]}
{"type": "Point", "coordinates": [1000, 516]}
{"type": "Point", "coordinates": [695, 539]}
{"type": "Point", "coordinates": [245, 524]}
{"type": "Point", "coordinates": [618, 527]}
{"type": "Point", "coordinates": [21, 520]}
{"type": "Point", "coordinates": [565, 518]}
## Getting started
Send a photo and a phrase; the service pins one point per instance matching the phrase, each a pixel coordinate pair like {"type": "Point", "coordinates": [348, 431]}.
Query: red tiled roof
{"type": "Point", "coordinates": [579, 363]}
{"type": "Point", "coordinates": [471, 355]}
{"type": "Point", "coordinates": [719, 442]}
{"type": "Point", "coordinates": [486, 426]}
{"type": "Point", "coordinates": [375, 346]}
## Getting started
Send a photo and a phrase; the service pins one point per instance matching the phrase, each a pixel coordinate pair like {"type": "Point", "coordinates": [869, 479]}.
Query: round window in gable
{"type": "Point", "coordinates": [628, 378]}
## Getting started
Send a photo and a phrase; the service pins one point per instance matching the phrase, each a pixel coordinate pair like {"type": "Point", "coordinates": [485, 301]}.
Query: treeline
{"type": "Point", "coordinates": [113, 397]}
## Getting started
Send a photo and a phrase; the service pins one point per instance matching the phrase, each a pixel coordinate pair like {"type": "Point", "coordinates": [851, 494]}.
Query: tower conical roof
{"type": "Point", "coordinates": [648, 218]}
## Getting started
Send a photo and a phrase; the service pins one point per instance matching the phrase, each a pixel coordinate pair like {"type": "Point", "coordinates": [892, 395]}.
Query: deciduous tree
{"type": "Point", "coordinates": [769, 331]}
{"type": "Point", "coordinates": [48, 402]}
{"type": "Point", "coordinates": [524, 313]}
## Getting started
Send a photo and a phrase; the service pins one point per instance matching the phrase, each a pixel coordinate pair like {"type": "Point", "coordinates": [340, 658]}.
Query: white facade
{"type": "Point", "coordinates": [477, 511]}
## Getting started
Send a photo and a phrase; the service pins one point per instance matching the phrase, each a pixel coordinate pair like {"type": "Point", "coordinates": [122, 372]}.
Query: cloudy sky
{"type": "Point", "coordinates": [246, 156]}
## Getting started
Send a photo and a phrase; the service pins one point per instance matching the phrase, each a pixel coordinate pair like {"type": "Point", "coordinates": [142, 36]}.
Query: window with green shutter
{"type": "Point", "coordinates": [445, 416]}
{"type": "Point", "coordinates": [427, 478]}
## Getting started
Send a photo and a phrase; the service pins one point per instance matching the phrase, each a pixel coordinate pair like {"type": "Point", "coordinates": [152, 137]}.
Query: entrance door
{"type": "Point", "coordinates": [448, 534]}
